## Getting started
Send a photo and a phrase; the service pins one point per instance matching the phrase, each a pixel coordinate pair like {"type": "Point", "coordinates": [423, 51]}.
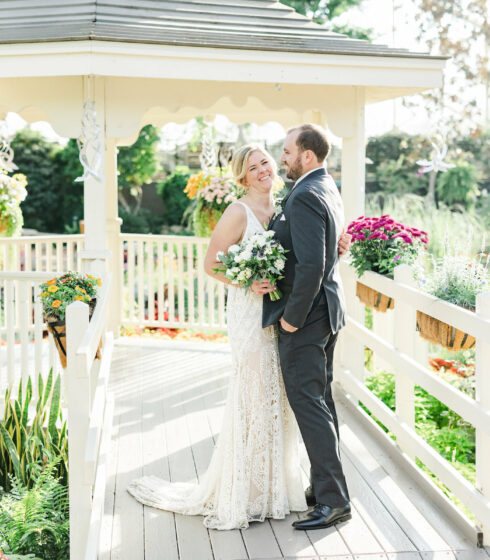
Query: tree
{"type": "Point", "coordinates": [34, 155]}
{"type": "Point", "coordinates": [459, 29]}
{"type": "Point", "coordinates": [137, 164]}
{"type": "Point", "coordinates": [324, 11]}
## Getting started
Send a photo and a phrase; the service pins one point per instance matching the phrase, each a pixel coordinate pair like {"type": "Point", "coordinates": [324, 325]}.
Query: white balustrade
{"type": "Point", "coordinates": [41, 253]}
{"type": "Point", "coordinates": [90, 414]}
{"type": "Point", "coordinates": [164, 283]}
{"type": "Point", "coordinates": [404, 352]}
{"type": "Point", "coordinates": [25, 349]}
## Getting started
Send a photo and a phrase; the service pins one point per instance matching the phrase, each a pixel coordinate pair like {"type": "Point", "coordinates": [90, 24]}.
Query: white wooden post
{"type": "Point", "coordinates": [354, 160]}
{"type": "Point", "coordinates": [351, 349]}
{"type": "Point", "coordinates": [383, 326]}
{"type": "Point", "coordinates": [113, 228]}
{"type": "Point", "coordinates": [24, 298]}
{"type": "Point", "coordinates": [404, 337]}
{"type": "Point", "coordinates": [483, 396]}
{"type": "Point", "coordinates": [10, 322]}
{"type": "Point", "coordinates": [78, 388]}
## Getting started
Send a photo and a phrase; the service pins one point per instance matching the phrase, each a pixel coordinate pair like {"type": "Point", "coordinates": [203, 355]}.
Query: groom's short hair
{"type": "Point", "coordinates": [312, 137]}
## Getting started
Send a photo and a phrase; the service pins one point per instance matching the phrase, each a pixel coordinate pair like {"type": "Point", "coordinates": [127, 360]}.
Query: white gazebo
{"type": "Point", "coordinates": [149, 61]}
{"type": "Point", "coordinates": [156, 62]}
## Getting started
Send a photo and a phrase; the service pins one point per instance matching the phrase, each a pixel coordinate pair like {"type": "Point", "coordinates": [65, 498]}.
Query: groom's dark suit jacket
{"type": "Point", "coordinates": [309, 227]}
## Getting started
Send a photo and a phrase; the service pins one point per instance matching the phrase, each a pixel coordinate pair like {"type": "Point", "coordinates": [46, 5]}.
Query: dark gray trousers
{"type": "Point", "coordinates": [307, 368]}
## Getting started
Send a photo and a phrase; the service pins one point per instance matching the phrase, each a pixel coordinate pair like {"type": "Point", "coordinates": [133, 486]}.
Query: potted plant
{"type": "Point", "coordinates": [380, 244]}
{"type": "Point", "coordinates": [456, 279]}
{"type": "Point", "coordinates": [60, 292]}
{"type": "Point", "coordinates": [12, 193]}
{"type": "Point", "coordinates": [212, 191]}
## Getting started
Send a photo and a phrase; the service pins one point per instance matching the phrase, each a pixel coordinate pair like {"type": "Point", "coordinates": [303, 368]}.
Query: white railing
{"type": "Point", "coordinates": [90, 415]}
{"type": "Point", "coordinates": [25, 349]}
{"type": "Point", "coordinates": [164, 283]}
{"type": "Point", "coordinates": [400, 347]}
{"type": "Point", "coordinates": [41, 253]}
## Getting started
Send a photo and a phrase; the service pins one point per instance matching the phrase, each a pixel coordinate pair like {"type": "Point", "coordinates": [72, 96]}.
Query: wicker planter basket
{"type": "Point", "coordinates": [445, 335]}
{"type": "Point", "coordinates": [58, 329]}
{"type": "Point", "coordinates": [374, 299]}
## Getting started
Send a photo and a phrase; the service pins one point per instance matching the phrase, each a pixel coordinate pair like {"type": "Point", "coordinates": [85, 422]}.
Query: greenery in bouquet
{"type": "Point", "coordinates": [381, 243]}
{"type": "Point", "coordinates": [12, 193]}
{"type": "Point", "coordinates": [259, 257]}
{"type": "Point", "coordinates": [58, 293]}
{"type": "Point", "coordinates": [456, 277]}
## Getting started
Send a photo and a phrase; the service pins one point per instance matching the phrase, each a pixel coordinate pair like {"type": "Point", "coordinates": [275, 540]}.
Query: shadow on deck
{"type": "Point", "coordinates": [168, 409]}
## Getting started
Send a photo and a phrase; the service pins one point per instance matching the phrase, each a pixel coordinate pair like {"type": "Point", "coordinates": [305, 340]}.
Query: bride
{"type": "Point", "coordinates": [254, 472]}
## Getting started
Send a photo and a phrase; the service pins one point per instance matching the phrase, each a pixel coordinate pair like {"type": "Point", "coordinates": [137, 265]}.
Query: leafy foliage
{"type": "Point", "coordinates": [172, 192]}
{"type": "Point", "coordinates": [323, 11]}
{"type": "Point", "coordinates": [137, 164]}
{"type": "Point", "coordinates": [35, 520]}
{"type": "Point", "coordinates": [28, 443]}
{"type": "Point", "coordinates": [443, 429]}
{"type": "Point", "coordinates": [42, 209]}
{"type": "Point", "coordinates": [458, 185]}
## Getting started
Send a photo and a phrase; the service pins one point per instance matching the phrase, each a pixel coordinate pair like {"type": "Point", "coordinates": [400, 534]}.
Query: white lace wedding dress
{"type": "Point", "coordinates": [254, 472]}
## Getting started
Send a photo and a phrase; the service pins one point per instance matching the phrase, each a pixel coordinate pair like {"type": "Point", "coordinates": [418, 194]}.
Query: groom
{"type": "Point", "coordinates": [310, 315]}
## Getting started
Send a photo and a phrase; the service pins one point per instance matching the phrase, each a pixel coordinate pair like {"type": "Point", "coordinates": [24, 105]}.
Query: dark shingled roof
{"type": "Point", "coordinates": [237, 24]}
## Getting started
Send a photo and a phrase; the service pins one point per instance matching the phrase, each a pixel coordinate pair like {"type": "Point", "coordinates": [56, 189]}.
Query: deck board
{"type": "Point", "coordinates": [168, 412]}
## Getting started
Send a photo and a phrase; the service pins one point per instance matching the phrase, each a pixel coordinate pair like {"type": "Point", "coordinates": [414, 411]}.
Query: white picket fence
{"type": "Point", "coordinates": [400, 346]}
{"type": "Point", "coordinates": [41, 253]}
{"type": "Point", "coordinates": [164, 283]}
{"type": "Point", "coordinates": [26, 350]}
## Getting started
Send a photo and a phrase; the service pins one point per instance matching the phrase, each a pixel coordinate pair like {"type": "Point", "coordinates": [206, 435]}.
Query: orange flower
{"type": "Point", "coordinates": [53, 289]}
{"type": "Point", "coordinates": [79, 298]}
{"type": "Point", "coordinates": [80, 289]}
{"type": "Point", "coordinates": [56, 303]}
{"type": "Point", "coordinates": [51, 282]}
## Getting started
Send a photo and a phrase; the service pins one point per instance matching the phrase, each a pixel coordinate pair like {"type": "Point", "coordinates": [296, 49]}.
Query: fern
{"type": "Point", "coordinates": [36, 520]}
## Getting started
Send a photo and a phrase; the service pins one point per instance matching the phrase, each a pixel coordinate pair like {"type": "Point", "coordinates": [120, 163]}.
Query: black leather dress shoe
{"type": "Point", "coordinates": [322, 517]}
{"type": "Point", "coordinates": [310, 496]}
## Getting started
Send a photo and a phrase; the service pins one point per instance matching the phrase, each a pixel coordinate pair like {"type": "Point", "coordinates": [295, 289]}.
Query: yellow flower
{"type": "Point", "coordinates": [44, 294]}
{"type": "Point", "coordinates": [51, 282]}
{"type": "Point", "coordinates": [56, 303]}
{"type": "Point", "coordinates": [99, 282]}
{"type": "Point", "coordinates": [53, 289]}
{"type": "Point", "coordinates": [79, 298]}
{"type": "Point", "coordinates": [80, 289]}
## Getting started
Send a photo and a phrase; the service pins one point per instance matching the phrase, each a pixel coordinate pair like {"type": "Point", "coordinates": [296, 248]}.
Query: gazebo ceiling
{"type": "Point", "coordinates": [232, 24]}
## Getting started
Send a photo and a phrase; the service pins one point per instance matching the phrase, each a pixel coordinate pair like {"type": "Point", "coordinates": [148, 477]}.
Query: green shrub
{"type": "Point", "coordinates": [35, 520]}
{"type": "Point", "coordinates": [28, 443]}
{"type": "Point", "coordinates": [175, 200]}
{"type": "Point", "coordinates": [458, 185]}
{"type": "Point", "coordinates": [142, 221]}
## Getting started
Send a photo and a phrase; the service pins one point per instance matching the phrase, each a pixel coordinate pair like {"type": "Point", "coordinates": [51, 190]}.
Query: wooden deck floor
{"type": "Point", "coordinates": [168, 409]}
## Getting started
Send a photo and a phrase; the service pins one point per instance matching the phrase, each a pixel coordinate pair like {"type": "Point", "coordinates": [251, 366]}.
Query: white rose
{"type": "Point", "coordinates": [269, 233]}
{"type": "Point", "coordinates": [279, 264]}
{"type": "Point", "coordinates": [219, 254]}
{"type": "Point", "coordinates": [233, 248]}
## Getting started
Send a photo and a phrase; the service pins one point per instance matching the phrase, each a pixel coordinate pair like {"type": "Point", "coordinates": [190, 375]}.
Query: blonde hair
{"type": "Point", "coordinates": [239, 162]}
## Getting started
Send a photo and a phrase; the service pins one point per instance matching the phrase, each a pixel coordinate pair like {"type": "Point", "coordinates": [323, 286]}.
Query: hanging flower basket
{"type": "Point", "coordinates": [58, 329]}
{"type": "Point", "coordinates": [374, 299]}
{"type": "Point", "coordinates": [445, 335]}
{"type": "Point", "coordinates": [57, 294]}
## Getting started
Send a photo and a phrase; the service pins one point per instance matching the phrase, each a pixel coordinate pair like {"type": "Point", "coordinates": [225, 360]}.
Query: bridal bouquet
{"type": "Point", "coordinates": [258, 258]}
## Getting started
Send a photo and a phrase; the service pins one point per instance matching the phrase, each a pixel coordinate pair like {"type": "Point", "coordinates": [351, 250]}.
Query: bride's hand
{"type": "Point", "coordinates": [261, 288]}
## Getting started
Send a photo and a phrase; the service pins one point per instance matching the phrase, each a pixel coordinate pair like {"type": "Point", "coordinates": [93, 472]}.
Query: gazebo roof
{"type": "Point", "coordinates": [232, 24]}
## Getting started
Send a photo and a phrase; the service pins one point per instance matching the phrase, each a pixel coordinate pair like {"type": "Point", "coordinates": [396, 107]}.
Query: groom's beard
{"type": "Point", "coordinates": [295, 171]}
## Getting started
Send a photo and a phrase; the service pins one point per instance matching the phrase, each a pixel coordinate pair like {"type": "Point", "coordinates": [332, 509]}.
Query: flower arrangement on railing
{"type": "Point", "coordinates": [380, 244]}
{"type": "Point", "coordinates": [213, 191]}
{"type": "Point", "coordinates": [12, 193]}
{"type": "Point", "coordinates": [57, 294]}
{"type": "Point", "coordinates": [456, 279]}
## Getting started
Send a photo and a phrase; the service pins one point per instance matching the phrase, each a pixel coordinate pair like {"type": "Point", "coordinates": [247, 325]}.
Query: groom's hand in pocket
{"type": "Point", "coordinates": [286, 326]}
{"type": "Point", "coordinates": [262, 288]}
